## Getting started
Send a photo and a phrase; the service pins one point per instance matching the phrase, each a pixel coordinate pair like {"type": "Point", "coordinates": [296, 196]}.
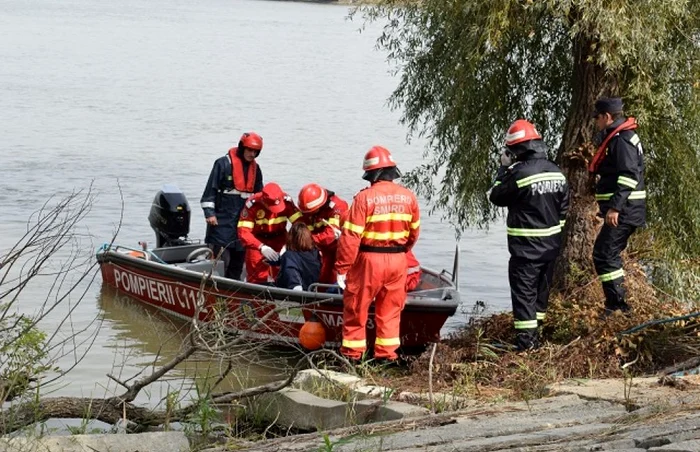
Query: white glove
{"type": "Point", "coordinates": [297, 288]}
{"type": "Point", "coordinates": [283, 250]}
{"type": "Point", "coordinates": [269, 254]}
{"type": "Point", "coordinates": [336, 231]}
{"type": "Point", "coordinates": [341, 281]}
{"type": "Point", "coordinates": [506, 159]}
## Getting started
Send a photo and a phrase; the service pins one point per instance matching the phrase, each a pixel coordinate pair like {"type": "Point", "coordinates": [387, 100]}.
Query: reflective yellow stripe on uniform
{"type": "Point", "coordinates": [498, 182]}
{"type": "Point", "coordinates": [335, 221]}
{"type": "Point", "coordinates": [541, 177]}
{"type": "Point", "coordinates": [415, 224]}
{"type": "Point", "coordinates": [354, 344]}
{"type": "Point", "coordinates": [562, 223]}
{"type": "Point", "coordinates": [386, 235]}
{"type": "Point", "coordinates": [627, 182]}
{"type": "Point", "coordinates": [541, 315]}
{"type": "Point", "coordinates": [612, 275]}
{"type": "Point", "coordinates": [353, 227]}
{"type": "Point", "coordinates": [295, 217]}
{"type": "Point", "coordinates": [246, 224]}
{"type": "Point", "coordinates": [387, 341]}
{"type": "Point", "coordinates": [634, 195]}
{"type": "Point", "coordinates": [276, 220]}
{"type": "Point", "coordinates": [389, 217]}
{"type": "Point", "coordinates": [525, 324]}
{"type": "Point", "coordinates": [545, 232]}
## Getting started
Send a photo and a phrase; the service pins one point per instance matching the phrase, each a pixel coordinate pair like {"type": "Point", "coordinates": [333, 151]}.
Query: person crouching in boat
{"type": "Point", "coordinates": [414, 271]}
{"type": "Point", "coordinates": [262, 229]}
{"type": "Point", "coordinates": [233, 179]}
{"type": "Point", "coordinates": [322, 210]}
{"type": "Point", "coordinates": [300, 263]}
{"type": "Point", "coordinates": [382, 224]}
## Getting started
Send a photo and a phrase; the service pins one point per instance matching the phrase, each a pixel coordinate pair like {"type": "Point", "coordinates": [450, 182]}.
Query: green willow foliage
{"type": "Point", "coordinates": [468, 68]}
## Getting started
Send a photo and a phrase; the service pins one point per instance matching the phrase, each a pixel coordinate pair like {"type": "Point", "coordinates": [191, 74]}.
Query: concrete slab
{"type": "Point", "coordinates": [292, 407]}
{"type": "Point", "coordinates": [684, 446]}
{"type": "Point", "coordinates": [638, 391]}
{"type": "Point", "coordinates": [142, 442]}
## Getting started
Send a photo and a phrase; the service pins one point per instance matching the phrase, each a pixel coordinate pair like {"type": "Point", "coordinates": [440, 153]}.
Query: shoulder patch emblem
{"type": "Point", "coordinates": [260, 214]}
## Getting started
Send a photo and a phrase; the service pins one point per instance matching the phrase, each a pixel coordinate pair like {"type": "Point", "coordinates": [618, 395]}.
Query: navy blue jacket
{"type": "Point", "coordinates": [537, 197]}
{"type": "Point", "coordinates": [221, 200]}
{"type": "Point", "coordinates": [620, 185]}
{"type": "Point", "coordinates": [299, 268]}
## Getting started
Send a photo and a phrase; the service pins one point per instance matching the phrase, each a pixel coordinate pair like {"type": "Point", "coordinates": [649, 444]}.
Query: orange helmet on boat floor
{"type": "Point", "coordinates": [521, 131]}
{"type": "Point", "coordinates": [312, 197]}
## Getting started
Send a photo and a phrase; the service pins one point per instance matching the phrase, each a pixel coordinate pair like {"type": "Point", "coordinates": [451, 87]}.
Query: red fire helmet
{"type": "Point", "coordinates": [273, 197]}
{"type": "Point", "coordinates": [521, 131]}
{"type": "Point", "coordinates": [251, 140]}
{"type": "Point", "coordinates": [376, 158]}
{"type": "Point", "coordinates": [312, 197]}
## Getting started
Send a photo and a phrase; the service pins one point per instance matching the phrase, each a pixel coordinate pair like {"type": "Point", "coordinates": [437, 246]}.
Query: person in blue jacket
{"type": "Point", "coordinates": [234, 178]}
{"type": "Point", "coordinates": [300, 263]}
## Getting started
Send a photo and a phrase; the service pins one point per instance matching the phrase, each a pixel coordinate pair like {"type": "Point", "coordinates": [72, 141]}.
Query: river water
{"type": "Point", "coordinates": [129, 95]}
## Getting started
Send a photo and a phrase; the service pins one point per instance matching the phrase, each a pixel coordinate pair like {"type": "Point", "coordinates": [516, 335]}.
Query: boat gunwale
{"type": "Point", "coordinates": [413, 303]}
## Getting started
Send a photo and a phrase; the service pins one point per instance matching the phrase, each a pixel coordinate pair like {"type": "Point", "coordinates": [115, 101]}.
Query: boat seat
{"type": "Point", "coordinates": [203, 266]}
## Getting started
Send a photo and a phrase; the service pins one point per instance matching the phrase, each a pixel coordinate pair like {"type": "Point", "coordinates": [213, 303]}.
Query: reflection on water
{"type": "Point", "coordinates": [143, 338]}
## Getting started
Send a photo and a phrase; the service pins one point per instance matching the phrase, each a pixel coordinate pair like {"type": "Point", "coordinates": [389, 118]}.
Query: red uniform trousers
{"type": "Point", "coordinates": [380, 277]}
{"type": "Point", "coordinates": [328, 273]}
{"type": "Point", "coordinates": [412, 280]}
{"type": "Point", "coordinates": [414, 271]}
{"type": "Point", "coordinates": [258, 271]}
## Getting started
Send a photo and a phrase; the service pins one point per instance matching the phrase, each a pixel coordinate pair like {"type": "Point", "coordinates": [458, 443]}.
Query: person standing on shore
{"type": "Point", "coordinates": [621, 195]}
{"type": "Point", "coordinates": [537, 197]}
{"type": "Point", "coordinates": [382, 225]}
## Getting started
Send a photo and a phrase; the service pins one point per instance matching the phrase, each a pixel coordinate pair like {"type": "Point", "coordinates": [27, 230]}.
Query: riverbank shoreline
{"type": "Point", "coordinates": [645, 414]}
{"type": "Point", "coordinates": [634, 415]}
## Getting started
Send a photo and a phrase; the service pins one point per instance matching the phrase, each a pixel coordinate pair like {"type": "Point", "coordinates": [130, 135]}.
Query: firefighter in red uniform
{"type": "Point", "coordinates": [262, 229]}
{"type": "Point", "coordinates": [322, 211]}
{"type": "Point", "coordinates": [382, 225]}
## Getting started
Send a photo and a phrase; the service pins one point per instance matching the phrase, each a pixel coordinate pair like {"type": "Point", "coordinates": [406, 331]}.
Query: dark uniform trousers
{"type": "Point", "coordinates": [233, 260]}
{"type": "Point", "coordinates": [530, 283]}
{"type": "Point", "coordinates": [608, 263]}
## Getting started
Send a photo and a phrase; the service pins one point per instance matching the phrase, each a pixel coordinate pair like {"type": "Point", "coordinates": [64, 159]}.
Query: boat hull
{"type": "Point", "coordinates": [265, 313]}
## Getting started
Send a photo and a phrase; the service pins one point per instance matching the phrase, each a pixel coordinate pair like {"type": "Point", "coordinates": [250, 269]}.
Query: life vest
{"type": "Point", "coordinates": [629, 124]}
{"type": "Point", "coordinates": [240, 181]}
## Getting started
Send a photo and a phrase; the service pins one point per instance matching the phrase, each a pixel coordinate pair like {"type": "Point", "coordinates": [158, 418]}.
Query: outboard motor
{"type": "Point", "coordinates": [170, 217]}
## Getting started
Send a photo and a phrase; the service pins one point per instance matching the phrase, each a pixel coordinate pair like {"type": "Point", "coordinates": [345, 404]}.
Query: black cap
{"type": "Point", "coordinates": [608, 105]}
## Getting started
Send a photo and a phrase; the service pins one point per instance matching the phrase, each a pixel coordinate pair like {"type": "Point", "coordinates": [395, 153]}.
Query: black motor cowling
{"type": "Point", "coordinates": [170, 217]}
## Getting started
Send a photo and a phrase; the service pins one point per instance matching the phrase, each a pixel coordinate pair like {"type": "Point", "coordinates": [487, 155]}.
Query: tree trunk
{"type": "Point", "coordinates": [575, 264]}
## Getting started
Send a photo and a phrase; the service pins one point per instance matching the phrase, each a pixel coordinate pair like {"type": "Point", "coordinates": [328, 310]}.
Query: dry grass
{"type": "Point", "coordinates": [578, 344]}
